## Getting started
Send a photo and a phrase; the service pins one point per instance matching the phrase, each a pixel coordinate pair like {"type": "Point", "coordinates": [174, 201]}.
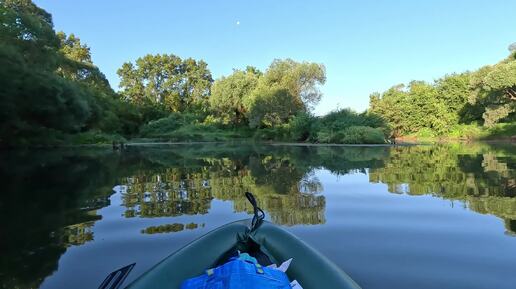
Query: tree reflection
{"type": "Point", "coordinates": [282, 179]}
{"type": "Point", "coordinates": [48, 203]}
{"type": "Point", "coordinates": [280, 187]}
{"type": "Point", "coordinates": [171, 228]}
{"type": "Point", "coordinates": [51, 199]}
{"type": "Point", "coordinates": [77, 234]}
{"type": "Point", "coordinates": [482, 176]}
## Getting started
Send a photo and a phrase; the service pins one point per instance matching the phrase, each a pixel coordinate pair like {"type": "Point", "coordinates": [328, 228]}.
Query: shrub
{"type": "Point", "coordinates": [465, 131]}
{"type": "Point", "coordinates": [502, 130]}
{"type": "Point", "coordinates": [324, 137]}
{"type": "Point", "coordinates": [325, 128]}
{"type": "Point", "coordinates": [361, 135]}
{"type": "Point", "coordinates": [216, 121]}
{"type": "Point", "coordinates": [300, 127]}
{"type": "Point", "coordinates": [273, 133]}
{"type": "Point", "coordinates": [426, 132]}
{"type": "Point", "coordinates": [352, 135]}
{"type": "Point", "coordinates": [164, 126]}
{"type": "Point", "coordinates": [95, 137]}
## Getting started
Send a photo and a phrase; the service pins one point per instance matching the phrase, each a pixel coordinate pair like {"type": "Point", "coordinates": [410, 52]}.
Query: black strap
{"type": "Point", "coordinates": [259, 215]}
{"type": "Point", "coordinates": [116, 278]}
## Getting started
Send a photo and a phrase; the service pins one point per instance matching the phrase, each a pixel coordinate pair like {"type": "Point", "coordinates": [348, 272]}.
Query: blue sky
{"type": "Point", "coordinates": [366, 46]}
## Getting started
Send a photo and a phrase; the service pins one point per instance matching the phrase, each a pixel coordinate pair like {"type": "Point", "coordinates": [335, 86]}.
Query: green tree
{"type": "Point", "coordinates": [300, 79]}
{"type": "Point", "coordinates": [419, 106]}
{"type": "Point", "coordinates": [512, 47]}
{"type": "Point", "coordinates": [486, 96]}
{"type": "Point", "coordinates": [286, 89]}
{"type": "Point", "coordinates": [453, 91]}
{"type": "Point", "coordinates": [228, 95]}
{"type": "Point", "coordinates": [494, 88]}
{"type": "Point", "coordinates": [34, 100]}
{"type": "Point", "coordinates": [49, 87]}
{"type": "Point", "coordinates": [29, 30]}
{"type": "Point", "coordinates": [73, 49]}
{"type": "Point", "coordinates": [270, 106]}
{"type": "Point", "coordinates": [165, 79]}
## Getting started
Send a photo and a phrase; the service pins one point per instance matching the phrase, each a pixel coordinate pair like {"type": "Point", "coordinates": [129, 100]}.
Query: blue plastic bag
{"type": "Point", "coordinates": [239, 274]}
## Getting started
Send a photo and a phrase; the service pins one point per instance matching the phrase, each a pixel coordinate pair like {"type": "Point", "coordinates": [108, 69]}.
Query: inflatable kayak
{"type": "Point", "coordinates": [311, 269]}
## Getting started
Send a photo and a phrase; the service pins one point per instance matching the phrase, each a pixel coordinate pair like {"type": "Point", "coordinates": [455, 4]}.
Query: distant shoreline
{"type": "Point", "coordinates": [404, 142]}
{"type": "Point", "coordinates": [399, 142]}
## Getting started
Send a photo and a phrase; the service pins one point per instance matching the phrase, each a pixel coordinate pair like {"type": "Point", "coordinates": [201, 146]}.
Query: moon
{"type": "Point", "coordinates": [238, 22]}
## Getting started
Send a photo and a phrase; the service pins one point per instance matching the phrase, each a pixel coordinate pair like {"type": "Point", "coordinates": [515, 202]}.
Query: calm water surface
{"type": "Point", "coordinates": [391, 217]}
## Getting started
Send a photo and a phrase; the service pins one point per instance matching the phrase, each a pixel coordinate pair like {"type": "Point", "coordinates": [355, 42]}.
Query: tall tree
{"type": "Point", "coordinates": [228, 94]}
{"type": "Point", "coordinates": [410, 109]}
{"type": "Point", "coordinates": [29, 30]}
{"type": "Point", "coordinates": [49, 86]}
{"type": "Point", "coordinates": [270, 106]}
{"type": "Point", "coordinates": [494, 88]}
{"type": "Point", "coordinates": [301, 79]}
{"type": "Point", "coordinates": [33, 98]}
{"type": "Point", "coordinates": [285, 89]}
{"type": "Point", "coordinates": [165, 79]}
{"type": "Point", "coordinates": [76, 64]}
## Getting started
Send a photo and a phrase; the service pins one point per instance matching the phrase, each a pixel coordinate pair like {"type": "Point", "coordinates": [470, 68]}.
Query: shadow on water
{"type": "Point", "coordinates": [50, 198]}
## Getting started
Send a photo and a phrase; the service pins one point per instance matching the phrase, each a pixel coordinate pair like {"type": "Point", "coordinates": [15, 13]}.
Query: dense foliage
{"type": "Point", "coordinates": [52, 93]}
{"type": "Point", "coordinates": [48, 85]}
{"type": "Point", "coordinates": [229, 95]}
{"type": "Point", "coordinates": [166, 80]}
{"type": "Point", "coordinates": [481, 98]}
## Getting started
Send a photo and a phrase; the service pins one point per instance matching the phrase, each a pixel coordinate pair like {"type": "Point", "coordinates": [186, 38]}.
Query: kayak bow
{"type": "Point", "coordinates": [310, 268]}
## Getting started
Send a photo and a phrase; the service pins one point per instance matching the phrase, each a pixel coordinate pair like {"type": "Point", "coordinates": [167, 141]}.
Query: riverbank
{"type": "Point", "coordinates": [398, 143]}
{"type": "Point", "coordinates": [498, 132]}
{"type": "Point", "coordinates": [504, 133]}
{"type": "Point", "coordinates": [115, 141]}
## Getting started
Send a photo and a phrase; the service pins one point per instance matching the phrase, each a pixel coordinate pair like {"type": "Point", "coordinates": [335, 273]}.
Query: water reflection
{"type": "Point", "coordinates": [288, 192]}
{"type": "Point", "coordinates": [479, 175]}
{"type": "Point", "coordinates": [47, 204]}
{"type": "Point", "coordinates": [51, 199]}
{"type": "Point", "coordinates": [169, 228]}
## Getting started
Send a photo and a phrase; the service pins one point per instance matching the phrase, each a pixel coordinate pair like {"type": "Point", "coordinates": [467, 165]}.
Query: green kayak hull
{"type": "Point", "coordinates": [310, 268]}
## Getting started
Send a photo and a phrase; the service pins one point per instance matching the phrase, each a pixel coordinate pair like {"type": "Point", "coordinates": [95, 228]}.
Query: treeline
{"type": "Point", "coordinates": [52, 93]}
{"type": "Point", "coordinates": [460, 105]}
{"type": "Point", "coordinates": [271, 105]}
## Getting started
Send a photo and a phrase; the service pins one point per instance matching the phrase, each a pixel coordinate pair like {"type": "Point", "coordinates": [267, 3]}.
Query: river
{"type": "Point", "coordinates": [428, 216]}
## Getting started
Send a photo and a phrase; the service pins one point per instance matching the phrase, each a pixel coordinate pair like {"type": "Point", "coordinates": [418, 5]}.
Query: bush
{"type": "Point", "coordinates": [165, 126]}
{"type": "Point", "coordinates": [353, 135]}
{"type": "Point", "coordinates": [95, 137]}
{"type": "Point", "coordinates": [361, 135]}
{"type": "Point", "coordinates": [216, 121]}
{"type": "Point", "coordinates": [325, 129]}
{"type": "Point", "coordinates": [280, 133]}
{"type": "Point", "coordinates": [324, 136]}
{"type": "Point", "coordinates": [465, 131]}
{"type": "Point", "coordinates": [344, 118]}
{"type": "Point", "coordinates": [300, 127]}
{"type": "Point", "coordinates": [502, 130]}
{"type": "Point", "coordinates": [426, 133]}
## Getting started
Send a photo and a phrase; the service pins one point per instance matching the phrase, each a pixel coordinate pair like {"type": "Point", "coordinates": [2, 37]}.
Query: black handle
{"type": "Point", "coordinates": [259, 215]}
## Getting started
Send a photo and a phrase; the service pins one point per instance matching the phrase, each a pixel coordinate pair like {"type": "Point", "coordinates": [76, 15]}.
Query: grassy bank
{"type": "Point", "coordinates": [471, 132]}
{"type": "Point", "coordinates": [311, 133]}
